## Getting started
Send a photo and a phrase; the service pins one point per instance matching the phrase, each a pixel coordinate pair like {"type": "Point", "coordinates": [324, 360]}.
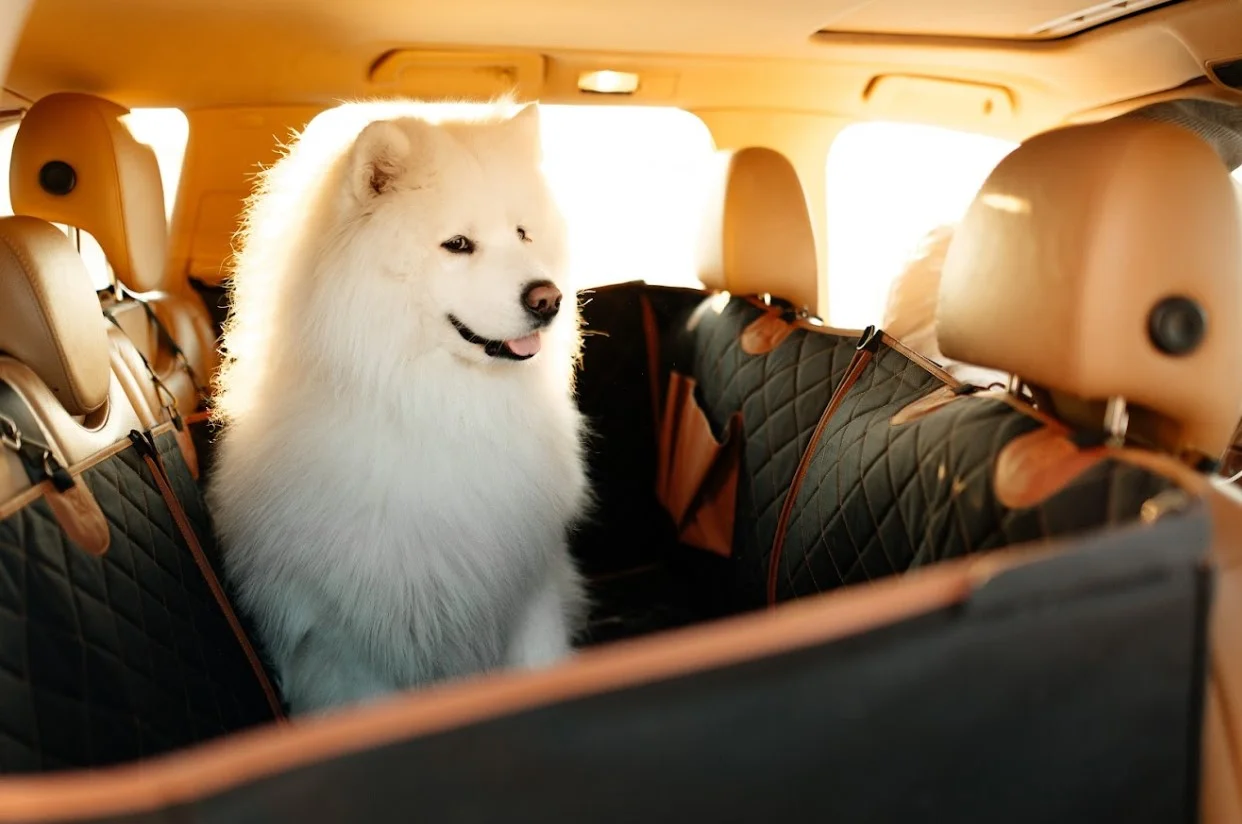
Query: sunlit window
{"type": "Point", "coordinates": [889, 184]}
{"type": "Point", "coordinates": [629, 180]}
{"type": "Point", "coordinates": [8, 132]}
{"type": "Point", "coordinates": [166, 132]}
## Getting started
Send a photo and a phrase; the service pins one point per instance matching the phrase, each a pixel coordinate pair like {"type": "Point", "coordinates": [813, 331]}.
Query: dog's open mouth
{"type": "Point", "coordinates": [516, 349]}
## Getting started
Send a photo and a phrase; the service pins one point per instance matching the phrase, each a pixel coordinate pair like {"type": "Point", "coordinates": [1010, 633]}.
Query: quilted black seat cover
{"type": "Point", "coordinates": [112, 659]}
{"type": "Point", "coordinates": [879, 499]}
{"type": "Point", "coordinates": [781, 396]}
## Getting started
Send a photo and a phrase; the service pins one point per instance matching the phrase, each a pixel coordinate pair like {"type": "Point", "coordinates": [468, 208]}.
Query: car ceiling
{"type": "Point", "coordinates": [817, 55]}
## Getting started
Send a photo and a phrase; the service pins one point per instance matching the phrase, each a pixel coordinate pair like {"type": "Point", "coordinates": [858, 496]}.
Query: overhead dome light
{"type": "Point", "coordinates": [608, 82]}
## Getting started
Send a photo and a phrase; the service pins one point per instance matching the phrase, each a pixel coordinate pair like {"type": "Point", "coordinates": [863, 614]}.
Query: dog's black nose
{"type": "Point", "coordinates": [542, 299]}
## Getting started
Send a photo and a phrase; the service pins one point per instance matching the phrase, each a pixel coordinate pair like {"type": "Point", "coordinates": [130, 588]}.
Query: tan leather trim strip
{"type": "Point", "coordinates": [1033, 467]}
{"type": "Point", "coordinates": [651, 332]}
{"type": "Point", "coordinates": [78, 514]}
{"type": "Point", "coordinates": [924, 406]}
{"type": "Point", "coordinates": [803, 323]}
{"type": "Point", "coordinates": [858, 363]}
{"type": "Point", "coordinates": [923, 361]}
{"type": "Point", "coordinates": [217, 766]}
{"type": "Point", "coordinates": [23, 499]}
{"type": "Point", "coordinates": [75, 509]}
{"type": "Point", "coordinates": [188, 453]}
{"type": "Point", "coordinates": [765, 333]}
{"type": "Point", "coordinates": [209, 575]}
{"type": "Point", "coordinates": [88, 531]}
{"type": "Point", "coordinates": [197, 417]}
{"type": "Point", "coordinates": [99, 457]}
{"type": "Point", "coordinates": [696, 475]}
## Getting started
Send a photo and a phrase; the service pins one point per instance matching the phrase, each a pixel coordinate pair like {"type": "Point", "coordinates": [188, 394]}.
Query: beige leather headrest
{"type": "Point", "coordinates": [75, 162]}
{"type": "Point", "coordinates": [1086, 263]}
{"type": "Point", "coordinates": [49, 316]}
{"type": "Point", "coordinates": [757, 234]}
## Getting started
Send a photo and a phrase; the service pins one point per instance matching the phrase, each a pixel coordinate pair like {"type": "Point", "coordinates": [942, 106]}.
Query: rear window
{"type": "Point", "coordinates": [888, 186]}
{"type": "Point", "coordinates": [629, 180]}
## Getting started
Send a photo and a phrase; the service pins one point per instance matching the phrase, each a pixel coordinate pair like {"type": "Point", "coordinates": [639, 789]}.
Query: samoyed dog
{"type": "Point", "coordinates": [401, 454]}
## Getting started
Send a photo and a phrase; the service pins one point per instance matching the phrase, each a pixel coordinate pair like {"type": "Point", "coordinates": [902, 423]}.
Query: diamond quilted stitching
{"type": "Point", "coordinates": [781, 395]}
{"type": "Point", "coordinates": [881, 499]}
{"type": "Point", "coordinates": [114, 658]}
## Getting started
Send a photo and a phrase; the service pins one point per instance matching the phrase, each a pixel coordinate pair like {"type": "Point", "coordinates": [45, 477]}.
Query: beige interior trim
{"type": "Point", "coordinates": [13, 15]}
{"type": "Point", "coordinates": [696, 54]}
{"type": "Point", "coordinates": [1061, 263]}
{"type": "Point", "coordinates": [1197, 90]}
{"type": "Point", "coordinates": [49, 315]}
{"type": "Point", "coordinates": [756, 235]}
{"type": "Point", "coordinates": [117, 197]}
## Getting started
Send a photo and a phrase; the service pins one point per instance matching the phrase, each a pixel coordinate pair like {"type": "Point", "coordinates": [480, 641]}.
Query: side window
{"type": "Point", "coordinates": [889, 185]}
{"type": "Point", "coordinates": [164, 130]}
{"type": "Point", "coordinates": [8, 132]}
{"type": "Point", "coordinates": [628, 179]}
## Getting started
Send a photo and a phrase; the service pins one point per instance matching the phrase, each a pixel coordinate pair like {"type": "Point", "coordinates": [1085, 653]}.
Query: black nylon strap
{"type": "Point", "coordinates": [165, 395]}
{"type": "Point", "coordinates": [20, 433]}
{"type": "Point", "coordinates": [171, 343]}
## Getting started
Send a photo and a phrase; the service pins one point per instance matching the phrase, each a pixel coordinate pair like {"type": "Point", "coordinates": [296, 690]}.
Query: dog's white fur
{"type": "Point", "coordinates": [394, 503]}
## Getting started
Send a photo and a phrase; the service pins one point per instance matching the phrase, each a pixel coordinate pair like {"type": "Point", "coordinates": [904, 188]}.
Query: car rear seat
{"type": "Point", "coordinates": [817, 458]}
{"type": "Point", "coordinates": [756, 232]}
{"type": "Point", "coordinates": [75, 162]}
{"type": "Point", "coordinates": [119, 642]}
{"type": "Point", "coordinates": [972, 691]}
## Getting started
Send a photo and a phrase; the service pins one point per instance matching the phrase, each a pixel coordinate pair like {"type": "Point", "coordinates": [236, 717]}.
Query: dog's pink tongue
{"type": "Point", "coordinates": [524, 347]}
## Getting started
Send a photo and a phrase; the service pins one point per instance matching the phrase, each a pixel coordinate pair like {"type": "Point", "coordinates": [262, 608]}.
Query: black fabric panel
{"type": "Point", "coordinates": [203, 434]}
{"type": "Point", "coordinates": [1002, 709]}
{"type": "Point", "coordinates": [217, 300]}
{"type": "Point", "coordinates": [639, 578]}
{"type": "Point", "coordinates": [628, 527]}
{"type": "Point", "coordinates": [879, 500]}
{"type": "Point", "coordinates": [190, 495]}
{"type": "Point", "coordinates": [781, 396]}
{"type": "Point", "coordinates": [116, 658]}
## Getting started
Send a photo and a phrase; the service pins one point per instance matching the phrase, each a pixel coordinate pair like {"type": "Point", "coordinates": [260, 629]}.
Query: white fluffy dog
{"type": "Point", "coordinates": [401, 458]}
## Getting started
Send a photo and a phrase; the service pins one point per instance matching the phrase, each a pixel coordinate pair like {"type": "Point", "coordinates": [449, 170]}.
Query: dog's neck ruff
{"type": "Point", "coordinates": [519, 349]}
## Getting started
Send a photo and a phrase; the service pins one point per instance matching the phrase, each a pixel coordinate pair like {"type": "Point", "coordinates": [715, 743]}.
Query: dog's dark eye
{"type": "Point", "coordinates": [459, 245]}
{"type": "Point", "coordinates": [522, 236]}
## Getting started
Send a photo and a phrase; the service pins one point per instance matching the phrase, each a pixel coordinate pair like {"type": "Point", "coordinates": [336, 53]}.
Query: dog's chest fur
{"type": "Point", "coordinates": [426, 531]}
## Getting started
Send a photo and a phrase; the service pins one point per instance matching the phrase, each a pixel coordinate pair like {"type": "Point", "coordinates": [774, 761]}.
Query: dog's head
{"type": "Point", "coordinates": [459, 218]}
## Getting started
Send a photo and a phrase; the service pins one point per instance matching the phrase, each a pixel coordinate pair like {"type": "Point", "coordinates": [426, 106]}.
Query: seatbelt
{"type": "Point", "coordinates": [171, 343]}
{"type": "Point", "coordinates": [166, 396]}
{"type": "Point", "coordinates": [21, 434]}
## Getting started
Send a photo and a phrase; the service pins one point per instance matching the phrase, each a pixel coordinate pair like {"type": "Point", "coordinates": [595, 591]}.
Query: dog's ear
{"type": "Point", "coordinates": [524, 131]}
{"type": "Point", "coordinates": [381, 154]}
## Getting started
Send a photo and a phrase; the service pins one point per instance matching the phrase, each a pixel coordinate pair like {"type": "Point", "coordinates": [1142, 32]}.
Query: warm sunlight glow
{"type": "Point", "coordinates": [608, 82]}
{"type": "Point", "coordinates": [629, 179]}
{"type": "Point", "coordinates": [1006, 203]}
{"type": "Point", "coordinates": [889, 184]}
{"type": "Point", "coordinates": [8, 133]}
{"type": "Point", "coordinates": [166, 132]}
{"type": "Point", "coordinates": [631, 183]}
